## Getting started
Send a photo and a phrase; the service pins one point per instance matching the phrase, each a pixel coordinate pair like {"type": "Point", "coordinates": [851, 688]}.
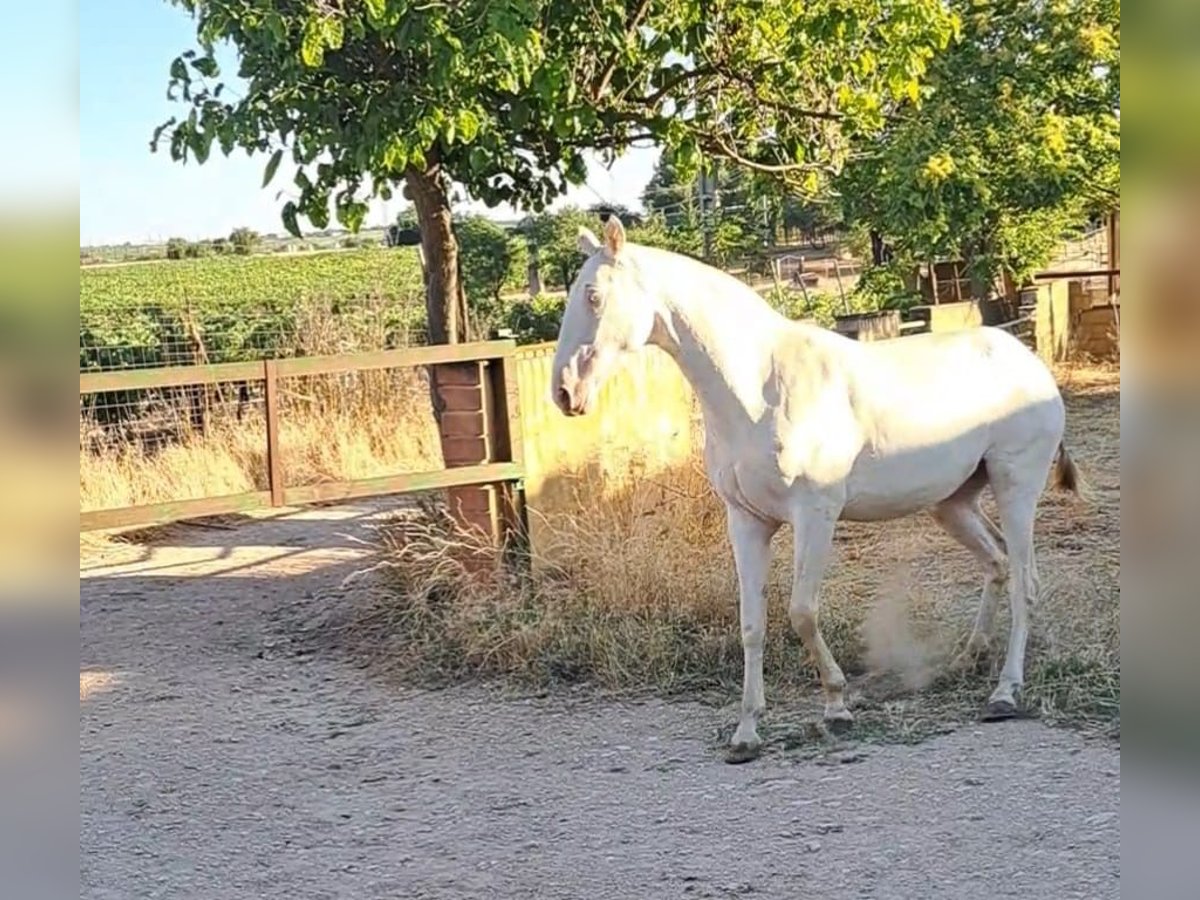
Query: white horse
{"type": "Point", "coordinates": [805, 426]}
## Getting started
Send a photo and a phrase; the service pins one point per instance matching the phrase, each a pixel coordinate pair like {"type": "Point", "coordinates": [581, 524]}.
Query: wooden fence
{"type": "Point", "coordinates": [474, 384]}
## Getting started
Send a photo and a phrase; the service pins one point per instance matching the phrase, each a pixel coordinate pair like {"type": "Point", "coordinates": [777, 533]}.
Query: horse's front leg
{"type": "Point", "coordinates": [751, 540]}
{"type": "Point", "coordinates": [814, 528]}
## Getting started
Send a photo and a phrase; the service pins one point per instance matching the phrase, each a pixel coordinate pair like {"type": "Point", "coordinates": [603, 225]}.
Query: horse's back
{"type": "Point", "coordinates": [978, 372]}
{"type": "Point", "coordinates": [931, 408]}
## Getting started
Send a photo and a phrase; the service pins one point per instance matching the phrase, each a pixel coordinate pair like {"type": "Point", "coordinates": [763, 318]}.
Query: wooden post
{"type": "Point", "coordinates": [1114, 253]}
{"type": "Point", "coordinates": [502, 414]}
{"type": "Point", "coordinates": [837, 271]}
{"type": "Point", "coordinates": [462, 430]}
{"type": "Point", "coordinates": [933, 281]}
{"type": "Point", "coordinates": [274, 454]}
{"type": "Point", "coordinates": [803, 286]}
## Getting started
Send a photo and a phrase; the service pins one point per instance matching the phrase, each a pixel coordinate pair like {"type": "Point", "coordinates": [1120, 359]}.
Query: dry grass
{"type": "Point", "coordinates": [645, 600]}
{"type": "Point", "coordinates": [329, 431]}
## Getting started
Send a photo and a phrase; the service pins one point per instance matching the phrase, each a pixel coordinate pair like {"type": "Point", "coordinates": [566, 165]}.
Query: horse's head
{"type": "Point", "coordinates": [607, 314]}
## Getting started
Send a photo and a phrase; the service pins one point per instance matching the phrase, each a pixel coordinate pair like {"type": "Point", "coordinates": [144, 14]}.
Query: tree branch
{"type": "Point", "coordinates": [718, 146]}
{"type": "Point", "coordinates": [632, 24]}
{"type": "Point", "coordinates": [749, 84]}
{"type": "Point", "coordinates": [652, 99]}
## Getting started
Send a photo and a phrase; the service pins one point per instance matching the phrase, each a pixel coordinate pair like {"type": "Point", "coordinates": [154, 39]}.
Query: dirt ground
{"type": "Point", "coordinates": [215, 762]}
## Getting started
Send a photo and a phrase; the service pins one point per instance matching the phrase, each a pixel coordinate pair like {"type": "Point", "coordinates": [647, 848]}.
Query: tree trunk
{"type": "Point", "coordinates": [878, 250]}
{"type": "Point", "coordinates": [445, 302]}
{"type": "Point", "coordinates": [973, 252]}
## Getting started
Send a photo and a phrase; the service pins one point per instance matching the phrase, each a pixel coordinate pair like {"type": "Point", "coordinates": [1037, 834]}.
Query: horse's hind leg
{"type": "Point", "coordinates": [1017, 498]}
{"type": "Point", "coordinates": [964, 521]}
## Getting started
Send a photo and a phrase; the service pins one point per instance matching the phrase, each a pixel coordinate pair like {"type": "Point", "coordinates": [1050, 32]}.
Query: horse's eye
{"type": "Point", "coordinates": [593, 297]}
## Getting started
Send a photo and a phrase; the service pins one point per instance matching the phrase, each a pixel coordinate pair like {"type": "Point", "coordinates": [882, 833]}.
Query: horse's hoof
{"type": "Point", "coordinates": [742, 752]}
{"type": "Point", "coordinates": [999, 710]}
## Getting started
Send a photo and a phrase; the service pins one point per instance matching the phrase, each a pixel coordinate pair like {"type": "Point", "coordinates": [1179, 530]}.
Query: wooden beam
{"type": "Point", "coordinates": [172, 376]}
{"type": "Point", "coordinates": [463, 476]}
{"type": "Point", "coordinates": [168, 376]}
{"type": "Point", "coordinates": [1076, 273]}
{"type": "Point", "coordinates": [396, 359]}
{"type": "Point", "coordinates": [172, 511]}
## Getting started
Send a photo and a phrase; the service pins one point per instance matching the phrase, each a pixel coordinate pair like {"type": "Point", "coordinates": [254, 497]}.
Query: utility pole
{"type": "Point", "coordinates": [709, 200]}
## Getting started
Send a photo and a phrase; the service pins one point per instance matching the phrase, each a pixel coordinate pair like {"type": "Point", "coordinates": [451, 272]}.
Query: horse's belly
{"type": "Point", "coordinates": [905, 483]}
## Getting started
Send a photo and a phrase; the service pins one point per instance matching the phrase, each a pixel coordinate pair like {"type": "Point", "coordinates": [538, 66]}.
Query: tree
{"type": "Point", "coordinates": [1016, 142]}
{"type": "Point", "coordinates": [671, 196]}
{"type": "Point", "coordinates": [243, 240]}
{"type": "Point", "coordinates": [738, 214]}
{"type": "Point", "coordinates": [554, 238]}
{"type": "Point", "coordinates": [504, 98]}
{"type": "Point", "coordinates": [177, 248]}
{"type": "Point", "coordinates": [488, 257]}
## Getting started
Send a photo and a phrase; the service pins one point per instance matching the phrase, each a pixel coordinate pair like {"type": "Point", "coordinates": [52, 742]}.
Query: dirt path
{"type": "Point", "coordinates": [214, 766]}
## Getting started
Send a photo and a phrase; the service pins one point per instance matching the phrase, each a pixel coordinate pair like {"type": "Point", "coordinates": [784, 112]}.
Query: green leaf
{"type": "Point", "coordinates": [318, 211]}
{"type": "Point", "coordinates": [199, 143]}
{"type": "Point", "coordinates": [272, 166]}
{"type": "Point", "coordinates": [227, 135]}
{"type": "Point", "coordinates": [376, 10]}
{"type": "Point", "coordinates": [289, 219]}
{"type": "Point", "coordinates": [395, 159]}
{"type": "Point", "coordinates": [312, 46]}
{"type": "Point", "coordinates": [468, 125]}
{"type": "Point", "coordinates": [333, 32]}
{"type": "Point", "coordinates": [350, 212]}
{"type": "Point", "coordinates": [158, 133]}
{"type": "Point", "coordinates": [179, 70]}
{"type": "Point", "coordinates": [206, 66]}
{"type": "Point", "coordinates": [274, 24]}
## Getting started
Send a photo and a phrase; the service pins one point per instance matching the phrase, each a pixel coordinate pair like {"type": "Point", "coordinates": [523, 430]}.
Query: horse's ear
{"type": "Point", "coordinates": [588, 242]}
{"type": "Point", "coordinates": [614, 235]}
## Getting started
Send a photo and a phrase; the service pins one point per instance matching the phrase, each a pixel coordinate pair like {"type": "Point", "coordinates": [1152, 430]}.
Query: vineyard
{"type": "Point", "coordinates": [232, 308]}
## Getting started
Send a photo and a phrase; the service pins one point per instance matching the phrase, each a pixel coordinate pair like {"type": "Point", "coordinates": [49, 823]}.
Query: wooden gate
{"type": "Point", "coordinates": [474, 384]}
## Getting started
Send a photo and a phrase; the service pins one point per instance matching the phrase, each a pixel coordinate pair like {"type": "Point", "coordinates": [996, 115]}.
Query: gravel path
{"type": "Point", "coordinates": [213, 767]}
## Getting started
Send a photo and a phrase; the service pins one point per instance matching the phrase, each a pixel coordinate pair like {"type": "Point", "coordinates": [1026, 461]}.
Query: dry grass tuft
{"type": "Point", "coordinates": [635, 592]}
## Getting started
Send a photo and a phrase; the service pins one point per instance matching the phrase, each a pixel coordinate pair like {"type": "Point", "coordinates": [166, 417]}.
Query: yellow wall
{"type": "Point", "coordinates": [1053, 321]}
{"type": "Point", "coordinates": [643, 422]}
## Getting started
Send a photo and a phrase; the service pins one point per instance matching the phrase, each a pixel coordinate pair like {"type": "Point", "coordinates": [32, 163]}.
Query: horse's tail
{"type": "Point", "coordinates": [1067, 476]}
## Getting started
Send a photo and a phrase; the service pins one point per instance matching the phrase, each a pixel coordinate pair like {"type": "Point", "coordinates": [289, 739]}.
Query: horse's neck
{"type": "Point", "coordinates": [722, 335]}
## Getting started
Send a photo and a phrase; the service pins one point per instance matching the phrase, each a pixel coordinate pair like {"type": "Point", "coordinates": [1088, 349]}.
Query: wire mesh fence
{"type": "Point", "coordinates": [198, 441]}
{"type": "Point", "coordinates": [147, 335]}
{"type": "Point", "coordinates": [141, 445]}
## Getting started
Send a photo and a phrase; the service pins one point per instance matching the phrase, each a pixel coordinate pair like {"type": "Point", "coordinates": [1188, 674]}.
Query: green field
{"type": "Point", "coordinates": [275, 278]}
{"type": "Point", "coordinates": [244, 307]}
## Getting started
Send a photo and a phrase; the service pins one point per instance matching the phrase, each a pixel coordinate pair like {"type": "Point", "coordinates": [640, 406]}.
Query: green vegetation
{"type": "Point", "coordinates": [503, 100]}
{"type": "Point", "coordinates": [1016, 141]}
{"type": "Point", "coordinates": [252, 280]}
{"type": "Point", "coordinates": [244, 307]}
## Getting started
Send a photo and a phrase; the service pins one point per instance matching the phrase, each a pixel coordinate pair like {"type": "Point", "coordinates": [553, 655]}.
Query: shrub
{"type": "Point", "coordinates": [536, 320]}
{"type": "Point", "coordinates": [882, 287]}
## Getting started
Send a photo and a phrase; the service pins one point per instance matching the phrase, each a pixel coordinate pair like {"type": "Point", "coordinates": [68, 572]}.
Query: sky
{"type": "Point", "coordinates": [126, 193]}
{"type": "Point", "coordinates": [38, 165]}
